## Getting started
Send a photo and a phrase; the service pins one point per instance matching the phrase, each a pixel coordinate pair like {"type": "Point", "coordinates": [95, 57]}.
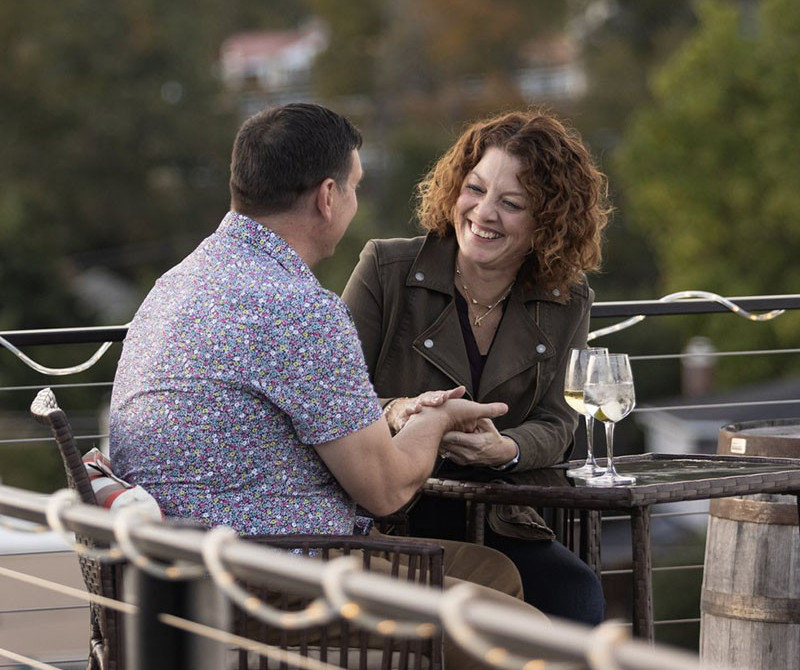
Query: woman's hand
{"type": "Point", "coordinates": [482, 446]}
{"type": "Point", "coordinates": [399, 410]}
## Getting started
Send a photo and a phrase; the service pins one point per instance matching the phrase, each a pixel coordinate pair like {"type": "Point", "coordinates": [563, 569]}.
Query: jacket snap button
{"type": "Point", "coordinates": [556, 292]}
{"type": "Point", "coordinates": [419, 276]}
{"type": "Point", "coordinates": [540, 348]}
{"type": "Point", "coordinates": [428, 344]}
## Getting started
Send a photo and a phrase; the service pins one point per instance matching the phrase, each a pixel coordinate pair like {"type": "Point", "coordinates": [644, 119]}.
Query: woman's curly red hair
{"type": "Point", "coordinates": [567, 194]}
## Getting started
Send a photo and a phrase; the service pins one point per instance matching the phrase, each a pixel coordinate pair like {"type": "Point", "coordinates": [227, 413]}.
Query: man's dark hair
{"type": "Point", "coordinates": [281, 152]}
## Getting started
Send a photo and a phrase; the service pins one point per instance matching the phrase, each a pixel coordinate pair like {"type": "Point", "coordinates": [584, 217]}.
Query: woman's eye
{"type": "Point", "coordinates": [512, 205]}
{"type": "Point", "coordinates": [474, 188]}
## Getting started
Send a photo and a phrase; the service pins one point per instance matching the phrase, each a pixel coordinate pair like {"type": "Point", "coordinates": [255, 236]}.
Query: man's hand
{"type": "Point", "coordinates": [464, 415]}
{"type": "Point", "coordinates": [382, 473]}
{"type": "Point", "coordinates": [399, 410]}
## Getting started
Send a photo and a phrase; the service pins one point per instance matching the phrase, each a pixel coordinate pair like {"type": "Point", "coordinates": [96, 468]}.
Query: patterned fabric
{"type": "Point", "coordinates": [235, 365]}
{"type": "Point", "coordinates": [110, 491]}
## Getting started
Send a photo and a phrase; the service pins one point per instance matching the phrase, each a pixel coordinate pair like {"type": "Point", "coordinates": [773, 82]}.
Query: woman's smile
{"type": "Point", "coordinates": [484, 233]}
{"type": "Point", "coordinates": [493, 224]}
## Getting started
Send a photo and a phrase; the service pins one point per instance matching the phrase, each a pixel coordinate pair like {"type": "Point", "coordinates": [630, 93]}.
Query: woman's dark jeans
{"type": "Point", "coordinates": [555, 580]}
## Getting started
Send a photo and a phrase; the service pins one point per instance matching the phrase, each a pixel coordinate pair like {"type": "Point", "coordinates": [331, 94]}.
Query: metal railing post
{"type": "Point", "coordinates": [154, 645]}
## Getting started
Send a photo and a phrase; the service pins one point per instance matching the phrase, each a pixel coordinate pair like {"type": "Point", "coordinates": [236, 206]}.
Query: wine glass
{"type": "Point", "coordinates": [573, 394]}
{"type": "Point", "coordinates": [609, 396]}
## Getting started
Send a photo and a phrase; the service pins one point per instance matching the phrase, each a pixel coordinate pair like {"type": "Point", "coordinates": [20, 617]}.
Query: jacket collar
{"type": "Point", "coordinates": [435, 266]}
{"type": "Point", "coordinates": [519, 344]}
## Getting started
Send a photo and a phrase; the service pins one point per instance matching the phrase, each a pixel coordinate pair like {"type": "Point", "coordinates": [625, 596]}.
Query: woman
{"type": "Point", "coordinates": [493, 297]}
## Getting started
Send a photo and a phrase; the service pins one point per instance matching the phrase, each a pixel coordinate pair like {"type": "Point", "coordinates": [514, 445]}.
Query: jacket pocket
{"type": "Point", "coordinates": [518, 521]}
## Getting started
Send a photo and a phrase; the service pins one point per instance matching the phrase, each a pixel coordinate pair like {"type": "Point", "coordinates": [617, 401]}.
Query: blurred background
{"type": "Point", "coordinates": [117, 120]}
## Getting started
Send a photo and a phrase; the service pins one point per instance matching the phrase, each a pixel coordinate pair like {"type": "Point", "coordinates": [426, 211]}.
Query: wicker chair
{"type": "Point", "coordinates": [419, 561]}
{"type": "Point", "coordinates": [106, 650]}
{"type": "Point", "coordinates": [413, 560]}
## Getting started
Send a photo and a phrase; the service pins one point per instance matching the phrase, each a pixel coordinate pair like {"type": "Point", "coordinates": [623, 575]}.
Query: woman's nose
{"type": "Point", "coordinates": [485, 209]}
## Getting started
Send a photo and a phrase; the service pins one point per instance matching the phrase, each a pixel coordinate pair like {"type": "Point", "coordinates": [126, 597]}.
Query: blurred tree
{"type": "Point", "coordinates": [347, 67]}
{"type": "Point", "coordinates": [622, 42]}
{"type": "Point", "coordinates": [410, 72]}
{"type": "Point", "coordinates": [710, 168]}
{"type": "Point", "coordinates": [102, 144]}
{"type": "Point", "coordinates": [116, 137]}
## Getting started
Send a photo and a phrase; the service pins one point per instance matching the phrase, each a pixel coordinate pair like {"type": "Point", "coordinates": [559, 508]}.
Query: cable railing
{"type": "Point", "coordinates": [503, 637]}
{"type": "Point", "coordinates": [615, 561]}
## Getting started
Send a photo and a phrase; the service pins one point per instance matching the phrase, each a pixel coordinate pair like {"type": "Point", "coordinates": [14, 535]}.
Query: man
{"type": "Point", "coordinates": [241, 396]}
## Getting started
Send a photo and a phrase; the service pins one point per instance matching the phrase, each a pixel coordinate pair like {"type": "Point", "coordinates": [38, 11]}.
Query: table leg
{"type": "Point", "coordinates": [476, 518]}
{"type": "Point", "coordinates": [590, 539]}
{"type": "Point", "coordinates": [642, 573]}
{"type": "Point", "coordinates": [796, 495]}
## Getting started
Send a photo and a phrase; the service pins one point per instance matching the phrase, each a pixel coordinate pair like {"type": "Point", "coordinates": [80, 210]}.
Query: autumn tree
{"type": "Point", "coordinates": [710, 168]}
{"type": "Point", "coordinates": [410, 73]}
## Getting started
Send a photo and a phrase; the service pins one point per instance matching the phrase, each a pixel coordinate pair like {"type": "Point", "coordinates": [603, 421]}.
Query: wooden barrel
{"type": "Point", "coordinates": [750, 606]}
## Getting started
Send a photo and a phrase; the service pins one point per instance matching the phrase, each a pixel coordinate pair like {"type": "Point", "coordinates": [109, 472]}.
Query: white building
{"type": "Point", "coordinates": [274, 61]}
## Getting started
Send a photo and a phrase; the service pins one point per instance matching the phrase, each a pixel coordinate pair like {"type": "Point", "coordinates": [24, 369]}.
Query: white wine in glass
{"type": "Point", "coordinates": [574, 380]}
{"type": "Point", "coordinates": [609, 397]}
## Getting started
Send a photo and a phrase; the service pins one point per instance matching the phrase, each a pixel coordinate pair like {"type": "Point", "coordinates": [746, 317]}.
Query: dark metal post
{"type": "Point", "coordinates": [154, 645]}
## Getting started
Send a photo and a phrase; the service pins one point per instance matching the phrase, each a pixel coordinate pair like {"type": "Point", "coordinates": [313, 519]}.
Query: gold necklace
{"type": "Point", "coordinates": [477, 320]}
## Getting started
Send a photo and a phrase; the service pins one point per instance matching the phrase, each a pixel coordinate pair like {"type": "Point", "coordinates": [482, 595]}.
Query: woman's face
{"type": "Point", "coordinates": [492, 223]}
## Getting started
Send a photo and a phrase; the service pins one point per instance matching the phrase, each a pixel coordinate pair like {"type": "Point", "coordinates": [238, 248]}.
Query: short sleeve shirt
{"type": "Point", "coordinates": [237, 363]}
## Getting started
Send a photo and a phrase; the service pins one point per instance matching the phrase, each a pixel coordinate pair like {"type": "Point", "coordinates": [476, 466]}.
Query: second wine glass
{"type": "Point", "coordinates": [574, 381]}
{"type": "Point", "coordinates": [609, 396]}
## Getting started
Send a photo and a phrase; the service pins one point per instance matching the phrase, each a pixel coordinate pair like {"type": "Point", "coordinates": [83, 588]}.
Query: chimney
{"type": "Point", "coordinates": [697, 367]}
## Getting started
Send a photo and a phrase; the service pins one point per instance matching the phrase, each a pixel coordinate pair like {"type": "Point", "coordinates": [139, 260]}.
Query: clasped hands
{"type": "Point", "coordinates": [474, 440]}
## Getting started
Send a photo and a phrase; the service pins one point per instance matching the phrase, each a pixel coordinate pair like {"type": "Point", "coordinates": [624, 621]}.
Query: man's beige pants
{"type": "Point", "coordinates": [487, 569]}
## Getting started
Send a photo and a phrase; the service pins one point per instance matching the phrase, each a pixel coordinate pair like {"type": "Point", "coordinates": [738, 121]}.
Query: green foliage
{"type": "Point", "coordinates": [116, 137]}
{"type": "Point", "coordinates": [710, 168]}
{"type": "Point", "coordinates": [348, 65]}
{"type": "Point", "coordinates": [619, 53]}
{"type": "Point", "coordinates": [34, 468]}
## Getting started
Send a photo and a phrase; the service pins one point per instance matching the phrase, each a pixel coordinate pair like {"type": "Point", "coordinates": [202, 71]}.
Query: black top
{"type": "Point", "coordinates": [476, 360]}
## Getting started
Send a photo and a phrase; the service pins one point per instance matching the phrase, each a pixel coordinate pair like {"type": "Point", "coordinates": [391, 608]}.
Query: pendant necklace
{"type": "Point", "coordinates": [477, 320]}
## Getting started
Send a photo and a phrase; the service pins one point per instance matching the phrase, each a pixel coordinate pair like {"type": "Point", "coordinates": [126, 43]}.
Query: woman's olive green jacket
{"type": "Point", "coordinates": [401, 298]}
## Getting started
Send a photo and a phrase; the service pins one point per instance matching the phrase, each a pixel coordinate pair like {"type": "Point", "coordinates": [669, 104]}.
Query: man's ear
{"type": "Point", "coordinates": [324, 198]}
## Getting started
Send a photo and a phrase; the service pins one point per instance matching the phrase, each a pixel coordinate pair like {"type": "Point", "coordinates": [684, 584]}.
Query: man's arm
{"type": "Point", "coordinates": [380, 472]}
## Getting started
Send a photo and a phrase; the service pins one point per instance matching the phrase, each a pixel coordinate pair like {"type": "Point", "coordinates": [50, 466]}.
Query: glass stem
{"type": "Point", "coordinates": [590, 440]}
{"type": "Point", "coordinates": [610, 447]}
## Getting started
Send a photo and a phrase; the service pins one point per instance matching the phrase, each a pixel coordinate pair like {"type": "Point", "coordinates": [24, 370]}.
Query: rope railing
{"type": "Point", "coordinates": [505, 637]}
{"type": "Point", "coordinates": [56, 372]}
{"type": "Point", "coordinates": [681, 302]}
{"type": "Point", "coordinates": [732, 305]}
{"type": "Point", "coordinates": [633, 311]}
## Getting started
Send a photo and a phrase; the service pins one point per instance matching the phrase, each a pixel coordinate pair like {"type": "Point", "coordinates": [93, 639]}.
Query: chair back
{"type": "Point", "coordinates": [414, 560]}
{"type": "Point", "coordinates": [101, 578]}
{"type": "Point", "coordinates": [340, 643]}
{"type": "Point", "coordinates": [45, 410]}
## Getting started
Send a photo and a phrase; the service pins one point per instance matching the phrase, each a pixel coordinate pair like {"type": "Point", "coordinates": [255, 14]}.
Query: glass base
{"type": "Point", "coordinates": [586, 471]}
{"type": "Point", "coordinates": [611, 479]}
